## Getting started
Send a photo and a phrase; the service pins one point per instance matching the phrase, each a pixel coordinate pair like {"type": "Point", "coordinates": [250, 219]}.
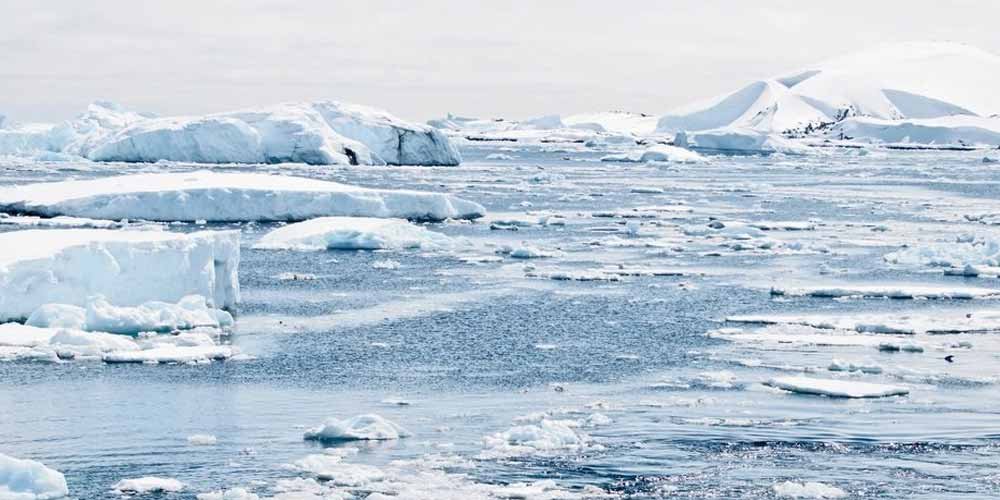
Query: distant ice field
{"type": "Point", "coordinates": [574, 342]}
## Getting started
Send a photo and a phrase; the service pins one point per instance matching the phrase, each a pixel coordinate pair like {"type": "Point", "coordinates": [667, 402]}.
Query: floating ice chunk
{"type": "Point", "coordinates": [889, 291]}
{"type": "Point", "coordinates": [202, 439]}
{"type": "Point", "coordinates": [836, 388]}
{"type": "Point", "coordinates": [352, 233]}
{"type": "Point", "coordinates": [789, 489]}
{"type": "Point", "coordinates": [22, 479]}
{"type": "Point", "coordinates": [547, 436]}
{"type": "Point", "coordinates": [967, 258]}
{"type": "Point", "coordinates": [230, 494]}
{"type": "Point", "coordinates": [738, 139]}
{"type": "Point", "coordinates": [844, 366]}
{"type": "Point", "coordinates": [524, 251]}
{"type": "Point", "coordinates": [172, 353]}
{"type": "Point", "coordinates": [674, 154]}
{"type": "Point", "coordinates": [148, 484]}
{"type": "Point", "coordinates": [189, 313]}
{"type": "Point", "coordinates": [332, 468]}
{"type": "Point", "coordinates": [100, 316]}
{"type": "Point", "coordinates": [218, 196]}
{"type": "Point", "coordinates": [66, 266]}
{"type": "Point", "coordinates": [359, 428]}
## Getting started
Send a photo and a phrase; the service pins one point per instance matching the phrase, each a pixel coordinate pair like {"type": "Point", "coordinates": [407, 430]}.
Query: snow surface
{"type": "Point", "coordinates": [352, 233]}
{"type": "Point", "coordinates": [22, 479]}
{"type": "Point", "coordinates": [321, 133]}
{"type": "Point", "coordinates": [214, 196]}
{"type": "Point", "coordinates": [836, 388]}
{"type": "Point", "coordinates": [67, 266]}
{"type": "Point", "coordinates": [360, 428]}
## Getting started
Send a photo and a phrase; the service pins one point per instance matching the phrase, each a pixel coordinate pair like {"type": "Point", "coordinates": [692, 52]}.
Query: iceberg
{"type": "Point", "coordinates": [29, 480]}
{"type": "Point", "coordinates": [66, 266]}
{"type": "Point", "coordinates": [836, 388]}
{"type": "Point", "coordinates": [226, 197]}
{"type": "Point", "coordinates": [319, 133]}
{"type": "Point", "coordinates": [352, 233]}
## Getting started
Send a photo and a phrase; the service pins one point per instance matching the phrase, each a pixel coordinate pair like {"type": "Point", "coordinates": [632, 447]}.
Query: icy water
{"type": "Point", "coordinates": [607, 367]}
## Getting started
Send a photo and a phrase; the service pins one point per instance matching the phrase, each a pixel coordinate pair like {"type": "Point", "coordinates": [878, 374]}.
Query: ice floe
{"type": "Point", "coordinates": [216, 196]}
{"type": "Point", "coordinates": [353, 233]}
{"type": "Point", "coordinates": [360, 428]}
{"type": "Point", "coordinates": [66, 266]}
{"type": "Point", "coordinates": [836, 388]}
{"type": "Point", "coordinates": [22, 479]}
{"type": "Point", "coordinates": [888, 291]}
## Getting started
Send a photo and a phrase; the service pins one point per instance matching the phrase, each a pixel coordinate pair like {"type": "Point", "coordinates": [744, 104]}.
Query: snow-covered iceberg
{"type": "Point", "coordinates": [352, 233]}
{"type": "Point", "coordinates": [321, 133]}
{"type": "Point", "coordinates": [217, 196]}
{"type": "Point", "coordinates": [66, 266]}
{"type": "Point", "coordinates": [29, 480]}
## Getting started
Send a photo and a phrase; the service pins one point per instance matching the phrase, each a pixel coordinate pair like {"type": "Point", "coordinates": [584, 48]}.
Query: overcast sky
{"type": "Point", "coordinates": [421, 59]}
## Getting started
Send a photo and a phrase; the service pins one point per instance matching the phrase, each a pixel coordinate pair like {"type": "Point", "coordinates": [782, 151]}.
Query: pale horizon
{"type": "Point", "coordinates": [420, 63]}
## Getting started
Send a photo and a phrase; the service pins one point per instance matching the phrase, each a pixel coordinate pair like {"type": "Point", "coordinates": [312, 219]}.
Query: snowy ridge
{"type": "Point", "coordinates": [212, 196]}
{"type": "Point", "coordinates": [320, 133]}
{"type": "Point", "coordinates": [931, 93]}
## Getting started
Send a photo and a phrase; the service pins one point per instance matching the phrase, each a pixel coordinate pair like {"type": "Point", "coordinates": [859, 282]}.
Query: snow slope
{"type": "Point", "coordinates": [947, 83]}
{"type": "Point", "coordinates": [66, 266]}
{"type": "Point", "coordinates": [321, 133]}
{"type": "Point", "coordinates": [213, 196]}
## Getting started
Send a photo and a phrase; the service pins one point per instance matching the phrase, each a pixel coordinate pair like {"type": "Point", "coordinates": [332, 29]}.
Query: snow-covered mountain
{"type": "Point", "coordinates": [887, 86]}
{"type": "Point", "coordinates": [324, 132]}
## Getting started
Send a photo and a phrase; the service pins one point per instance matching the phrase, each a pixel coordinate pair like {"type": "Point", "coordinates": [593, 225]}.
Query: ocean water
{"type": "Point", "coordinates": [609, 385]}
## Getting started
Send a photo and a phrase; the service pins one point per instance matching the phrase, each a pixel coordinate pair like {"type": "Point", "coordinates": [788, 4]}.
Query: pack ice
{"type": "Point", "coordinates": [319, 133]}
{"type": "Point", "coordinates": [127, 268]}
{"type": "Point", "coordinates": [217, 196]}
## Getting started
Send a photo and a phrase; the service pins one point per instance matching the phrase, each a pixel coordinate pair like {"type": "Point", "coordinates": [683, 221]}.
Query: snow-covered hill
{"type": "Point", "coordinates": [888, 88]}
{"type": "Point", "coordinates": [324, 132]}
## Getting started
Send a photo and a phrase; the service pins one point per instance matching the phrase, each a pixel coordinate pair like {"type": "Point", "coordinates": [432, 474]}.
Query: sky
{"type": "Point", "coordinates": [423, 59]}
